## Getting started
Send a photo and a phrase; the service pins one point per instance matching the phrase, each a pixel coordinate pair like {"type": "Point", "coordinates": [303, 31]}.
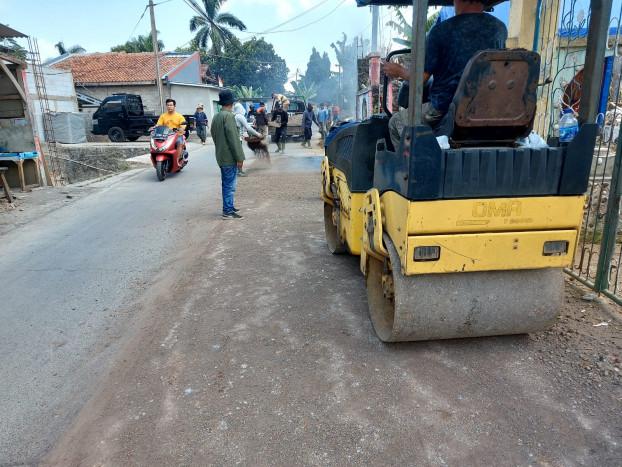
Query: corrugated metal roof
{"type": "Point", "coordinates": [6, 31]}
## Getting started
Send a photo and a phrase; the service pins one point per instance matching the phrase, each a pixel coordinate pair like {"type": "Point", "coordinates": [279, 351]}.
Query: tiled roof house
{"type": "Point", "coordinates": [98, 75]}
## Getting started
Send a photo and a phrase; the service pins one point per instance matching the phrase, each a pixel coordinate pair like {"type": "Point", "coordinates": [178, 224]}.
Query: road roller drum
{"type": "Point", "coordinates": [457, 305]}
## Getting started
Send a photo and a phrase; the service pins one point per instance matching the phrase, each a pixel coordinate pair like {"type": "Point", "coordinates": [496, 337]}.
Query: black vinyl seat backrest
{"type": "Point", "coordinates": [352, 150]}
{"type": "Point", "coordinates": [495, 101]}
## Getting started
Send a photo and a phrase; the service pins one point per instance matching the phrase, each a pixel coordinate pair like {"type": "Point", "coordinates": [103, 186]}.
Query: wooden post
{"type": "Point", "coordinates": [5, 185]}
{"type": "Point", "coordinates": [46, 169]}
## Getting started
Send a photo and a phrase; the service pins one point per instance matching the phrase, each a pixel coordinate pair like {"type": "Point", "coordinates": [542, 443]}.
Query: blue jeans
{"type": "Point", "coordinates": [201, 132]}
{"type": "Point", "coordinates": [229, 178]}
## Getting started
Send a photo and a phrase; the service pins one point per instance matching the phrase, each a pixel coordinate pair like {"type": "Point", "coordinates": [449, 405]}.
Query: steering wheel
{"type": "Point", "coordinates": [386, 80]}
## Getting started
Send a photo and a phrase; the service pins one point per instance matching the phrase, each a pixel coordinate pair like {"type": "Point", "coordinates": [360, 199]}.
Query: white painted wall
{"type": "Point", "coordinates": [188, 96]}
{"type": "Point", "coordinates": [60, 92]}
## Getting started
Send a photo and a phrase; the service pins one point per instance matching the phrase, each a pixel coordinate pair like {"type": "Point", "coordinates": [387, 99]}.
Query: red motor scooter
{"type": "Point", "coordinates": [163, 152]}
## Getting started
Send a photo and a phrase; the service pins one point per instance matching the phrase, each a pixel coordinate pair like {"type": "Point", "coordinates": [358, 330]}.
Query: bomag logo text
{"type": "Point", "coordinates": [497, 209]}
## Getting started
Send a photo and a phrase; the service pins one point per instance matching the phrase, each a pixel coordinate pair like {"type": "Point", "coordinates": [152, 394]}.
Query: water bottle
{"type": "Point", "coordinates": [568, 127]}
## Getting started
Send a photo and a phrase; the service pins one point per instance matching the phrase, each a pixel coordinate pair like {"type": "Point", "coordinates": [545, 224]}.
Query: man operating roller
{"type": "Point", "coordinates": [449, 46]}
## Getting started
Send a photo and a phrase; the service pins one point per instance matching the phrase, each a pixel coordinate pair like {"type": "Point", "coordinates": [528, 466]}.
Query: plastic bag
{"type": "Point", "coordinates": [534, 141]}
{"type": "Point", "coordinates": [443, 142]}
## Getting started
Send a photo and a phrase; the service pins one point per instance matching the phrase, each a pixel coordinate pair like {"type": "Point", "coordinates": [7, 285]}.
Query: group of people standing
{"type": "Point", "coordinates": [327, 116]}
{"type": "Point", "coordinates": [324, 118]}
{"type": "Point", "coordinates": [229, 125]}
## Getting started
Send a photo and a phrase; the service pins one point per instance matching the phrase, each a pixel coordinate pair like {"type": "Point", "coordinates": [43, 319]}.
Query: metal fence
{"type": "Point", "coordinates": [561, 38]}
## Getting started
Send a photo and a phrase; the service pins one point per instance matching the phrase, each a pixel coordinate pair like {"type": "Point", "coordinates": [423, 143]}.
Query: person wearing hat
{"type": "Point", "coordinates": [201, 123]}
{"type": "Point", "coordinates": [261, 119]}
{"type": "Point", "coordinates": [280, 99]}
{"type": "Point", "coordinates": [280, 116]}
{"type": "Point", "coordinates": [229, 153]}
{"type": "Point", "coordinates": [308, 117]}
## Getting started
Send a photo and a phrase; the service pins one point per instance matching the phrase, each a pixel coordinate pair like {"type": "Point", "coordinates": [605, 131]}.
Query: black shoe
{"type": "Point", "coordinates": [236, 210]}
{"type": "Point", "coordinates": [232, 215]}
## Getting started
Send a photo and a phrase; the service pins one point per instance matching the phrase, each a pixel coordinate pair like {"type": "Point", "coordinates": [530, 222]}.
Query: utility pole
{"type": "Point", "coordinates": [154, 36]}
{"type": "Point", "coordinates": [374, 29]}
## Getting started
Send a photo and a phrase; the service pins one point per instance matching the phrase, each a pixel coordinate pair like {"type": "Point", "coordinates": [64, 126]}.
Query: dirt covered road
{"type": "Point", "coordinates": [257, 349]}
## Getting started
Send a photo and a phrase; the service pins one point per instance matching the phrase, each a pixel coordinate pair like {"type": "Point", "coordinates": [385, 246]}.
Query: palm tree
{"type": "Point", "coordinates": [212, 26]}
{"type": "Point", "coordinates": [74, 49]}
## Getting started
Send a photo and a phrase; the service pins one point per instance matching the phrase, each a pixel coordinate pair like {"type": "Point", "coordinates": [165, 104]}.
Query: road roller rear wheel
{"type": "Point", "coordinates": [457, 305]}
{"type": "Point", "coordinates": [333, 239]}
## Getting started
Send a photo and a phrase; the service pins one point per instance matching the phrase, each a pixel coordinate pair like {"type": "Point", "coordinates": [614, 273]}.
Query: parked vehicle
{"type": "Point", "coordinates": [163, 152]}
{"type": "Point", "coordinates": [121, 117]}
{"type": "Point", "coordinates": [294, 125]}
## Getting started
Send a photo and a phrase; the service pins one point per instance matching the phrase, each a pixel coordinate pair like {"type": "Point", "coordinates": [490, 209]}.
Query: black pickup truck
{"type": "Point", "coordinates": [121, 117]}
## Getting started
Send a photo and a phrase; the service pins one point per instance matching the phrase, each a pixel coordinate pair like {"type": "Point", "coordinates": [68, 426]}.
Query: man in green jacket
{"type": "Point", "coordinates": [229, 153]}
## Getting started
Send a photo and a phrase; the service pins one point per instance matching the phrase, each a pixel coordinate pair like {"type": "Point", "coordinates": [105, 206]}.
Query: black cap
{"type": "Point", "coordinates": [225, 97]}
{"type": "Point", "coordinates": [262, 103]}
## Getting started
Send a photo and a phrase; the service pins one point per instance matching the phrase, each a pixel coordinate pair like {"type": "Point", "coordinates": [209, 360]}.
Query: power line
{"type": "Point", "coordinates": [292, 19]}
{"type": "Point", "coordinates": [306, 25]}
{"type": "Point", "coordinates": [139, 20]}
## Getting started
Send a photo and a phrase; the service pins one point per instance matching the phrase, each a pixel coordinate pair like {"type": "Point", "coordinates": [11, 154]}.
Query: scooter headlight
{"type": "Point", "coordinates": [164, 147]}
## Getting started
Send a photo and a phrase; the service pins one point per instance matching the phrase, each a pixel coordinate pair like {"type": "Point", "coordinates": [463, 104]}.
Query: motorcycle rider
{"type": "Point", "coordinates": [175, 122]}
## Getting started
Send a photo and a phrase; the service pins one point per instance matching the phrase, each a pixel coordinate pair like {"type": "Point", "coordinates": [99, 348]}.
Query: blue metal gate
{"type": "Point", "coordinates": [572, 36]}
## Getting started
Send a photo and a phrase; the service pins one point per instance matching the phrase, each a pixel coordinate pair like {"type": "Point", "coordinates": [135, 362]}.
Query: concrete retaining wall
{"type": "Point", "coordinates": [87, 161]}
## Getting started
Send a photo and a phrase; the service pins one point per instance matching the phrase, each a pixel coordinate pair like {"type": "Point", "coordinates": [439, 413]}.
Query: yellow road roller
{"type": "Point", "coordinates": [466, 241]}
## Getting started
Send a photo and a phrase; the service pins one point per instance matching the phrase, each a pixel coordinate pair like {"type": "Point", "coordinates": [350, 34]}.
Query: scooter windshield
{"type": "Point", "coordinates": [162, 131]}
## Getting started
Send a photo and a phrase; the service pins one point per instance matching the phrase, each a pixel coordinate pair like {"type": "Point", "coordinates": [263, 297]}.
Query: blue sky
{"type": "Point", "coordinates": [99, 25]}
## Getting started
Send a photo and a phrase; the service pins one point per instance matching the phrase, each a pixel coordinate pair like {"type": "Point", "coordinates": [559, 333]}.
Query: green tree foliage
{"type": "Point", "coordinates": [138, 44]}
{"type": "Point", "coordinates": [319, 75]}
{"type": "Point", "coordinates": [318, 68]}
{"type": "Point", "coordinates": [246, 92]}
{"type": "Point", "coordinates": [9, 46]}
{"type": "Point", "coordinates": [212, 27]}
{"type": "Point", "coordinates": [304, 92]}
{"type": "Point", "coordinates": [74, 49]}
{"type": "Point", "coordinates": [252, 63]}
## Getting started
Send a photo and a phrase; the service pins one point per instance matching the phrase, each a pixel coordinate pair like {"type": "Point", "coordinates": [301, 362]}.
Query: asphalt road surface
{"type": "Point", "coordinates": [140, 328]}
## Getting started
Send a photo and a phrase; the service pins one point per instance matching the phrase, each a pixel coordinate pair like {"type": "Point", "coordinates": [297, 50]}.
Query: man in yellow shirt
{"type": "Point", "coordinates": [175, 122]}
{"type": "Point", "coordinates": [280, 99]}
